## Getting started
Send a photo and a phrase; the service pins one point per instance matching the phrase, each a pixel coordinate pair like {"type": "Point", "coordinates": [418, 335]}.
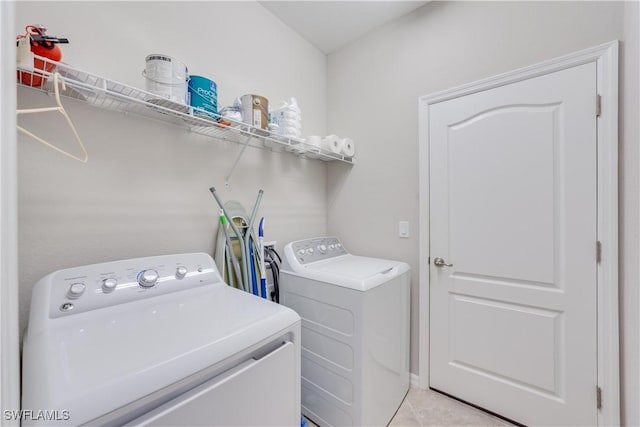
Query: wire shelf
{"type": "Point", "coordinates": [111, 95]}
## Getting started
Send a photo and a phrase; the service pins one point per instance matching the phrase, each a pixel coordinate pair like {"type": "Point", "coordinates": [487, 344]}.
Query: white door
{"type": "Point", "coordinates": [513, 208]}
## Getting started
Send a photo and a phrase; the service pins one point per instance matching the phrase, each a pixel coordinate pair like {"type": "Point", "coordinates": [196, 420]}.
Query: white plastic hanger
{"type": "Point", "coordinates": [57, 78]}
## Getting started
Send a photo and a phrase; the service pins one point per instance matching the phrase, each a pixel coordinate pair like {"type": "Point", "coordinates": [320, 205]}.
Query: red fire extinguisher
{"type": "Point", "coordinates": [44, 46]}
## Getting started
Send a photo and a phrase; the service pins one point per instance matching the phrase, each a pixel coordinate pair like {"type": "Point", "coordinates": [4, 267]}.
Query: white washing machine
{"type": "Point", "coordinates": [355, 331]}
{"type": "Point", "coordinates": [157, 341]}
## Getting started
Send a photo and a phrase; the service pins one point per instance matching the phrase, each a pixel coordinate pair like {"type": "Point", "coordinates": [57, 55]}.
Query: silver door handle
{"type": "Point", "coordinates": [439, 262]}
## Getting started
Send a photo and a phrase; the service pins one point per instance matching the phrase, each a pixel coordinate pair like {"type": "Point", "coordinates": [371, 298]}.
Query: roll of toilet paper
{"type": "Point", "coordinates": [348, 147]}
{"type": "Point", "coordinates": [290, 132]}
{"type": "Point", "coordinates": [332, 144]}
{"type": "Point", "coordinates": [314, 141]}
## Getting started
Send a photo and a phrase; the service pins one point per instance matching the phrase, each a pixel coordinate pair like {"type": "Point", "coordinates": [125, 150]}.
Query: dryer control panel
{"type": "Point", "coordinates": [316, 249]}
{"type": "Point", "coordinates": [80, 289]}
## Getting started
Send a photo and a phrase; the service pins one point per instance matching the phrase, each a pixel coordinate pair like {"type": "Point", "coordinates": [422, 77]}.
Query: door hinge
{"type": "Point", "coordinates": [599, 397]}
{"type": "Point", "coordinates": [598, 251]}
{"type": "Point", "coordinates": [428, 260]}
{"type": "Point", "coordinates": [598, 105]}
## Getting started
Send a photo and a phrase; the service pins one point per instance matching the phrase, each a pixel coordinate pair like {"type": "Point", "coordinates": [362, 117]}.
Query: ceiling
{"type": "Point", "coordinates": [329, 25]}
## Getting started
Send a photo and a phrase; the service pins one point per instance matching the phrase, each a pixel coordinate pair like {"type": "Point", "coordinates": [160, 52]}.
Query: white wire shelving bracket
{"type": "Point", "coordinates": [227, 177]}
{"type": "Point", "coordinates": [111, 95]}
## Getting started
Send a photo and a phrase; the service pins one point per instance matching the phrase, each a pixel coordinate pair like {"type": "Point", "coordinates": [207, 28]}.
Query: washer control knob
{"type": "Point", "coordinates": [332, 247]}
{"type": "Point", "coordinates": [338, 245]}
{"type": "Point", "coordinates": [322, 248]}
{"type": "Point", "coordinates": [148, 278]}
{"type": "Point", "coordinates": [181, 272]}
{"type": "Point", "coordinates": [67, 306]}
{"type": "Point", "coordinates": [301, 252]}
{"type": "Point", "coordinates": [76, 290]}
{"type": "Point", "coordinates": [109, 285]}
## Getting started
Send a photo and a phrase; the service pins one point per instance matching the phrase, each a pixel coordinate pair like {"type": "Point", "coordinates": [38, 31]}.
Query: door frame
{"type": "Point", "coordinates": [9, 330]}
{"type": "Point", "coordinates": [606, 58]}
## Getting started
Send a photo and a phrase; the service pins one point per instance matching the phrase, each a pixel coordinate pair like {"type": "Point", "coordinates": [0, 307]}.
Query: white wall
{"type": "Point", "coordinates": [144, 190]}
{"type": "Point", "coordinates": [374, 84]}
{"type": "Point", "coordinates": [9, 336]}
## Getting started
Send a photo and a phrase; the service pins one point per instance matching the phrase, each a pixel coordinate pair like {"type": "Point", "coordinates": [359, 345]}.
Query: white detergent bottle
{"type": "Point", "coordinates": [293, 105]}
{"type": "Point", "coordinates": [289, 120]}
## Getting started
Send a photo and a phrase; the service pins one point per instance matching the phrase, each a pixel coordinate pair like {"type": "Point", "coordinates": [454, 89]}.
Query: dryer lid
{"type": "Point", "coordinates": [351, 271]}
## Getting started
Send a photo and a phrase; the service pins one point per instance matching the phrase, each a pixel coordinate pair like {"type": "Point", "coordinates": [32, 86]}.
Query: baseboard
{"type": "Point", "coordinates": [415, 381]}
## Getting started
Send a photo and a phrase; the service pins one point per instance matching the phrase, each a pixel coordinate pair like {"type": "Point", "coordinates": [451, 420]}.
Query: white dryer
{"type": "Point", "coordinates": [157, 341]}
{"type": "Point", "coordinates": [355, 331]}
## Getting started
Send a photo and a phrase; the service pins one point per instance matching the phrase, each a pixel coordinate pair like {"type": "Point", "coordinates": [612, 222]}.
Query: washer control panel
{"type": "Point", "coordinates": [317, 249]}
{"type": "Point", "coordinates": [81, 289]}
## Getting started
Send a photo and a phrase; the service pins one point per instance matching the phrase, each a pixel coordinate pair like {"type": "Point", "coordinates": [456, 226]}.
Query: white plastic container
{"type": "Point", "coordinates": [288, 118]}
{"type": "Point", "coordinates": [166, 77]}
{"type": "Point", "coordinates": [296, 124]}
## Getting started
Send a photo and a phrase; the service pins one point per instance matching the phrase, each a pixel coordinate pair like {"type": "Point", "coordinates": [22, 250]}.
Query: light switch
{"type": "Point", "coordinates": [403, 229]}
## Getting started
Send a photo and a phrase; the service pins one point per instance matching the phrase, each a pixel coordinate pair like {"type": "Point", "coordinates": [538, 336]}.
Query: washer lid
{"type": "Point", "coordinates": [95, 362]}
{"type": "Point", "coordinates": [351, 271]}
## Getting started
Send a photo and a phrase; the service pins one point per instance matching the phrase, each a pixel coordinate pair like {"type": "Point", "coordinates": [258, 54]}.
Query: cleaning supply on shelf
{"type": "Point", "coordinates": [35, 41]}
{"type": "Point", "coordinates": [273, 126]}
{"type": "Point", "coordinates": [231, 115]}
{"type": "Point", "coordinates": [288, 117]}
{"type": "Point", "coordinates": [332, 144]}
{"type": "Point", "coordinates": [203, 96]}
{"type": "Point", "coordinates": [255, 111]}
{"type": "Point", "coordinates": [166, 77]}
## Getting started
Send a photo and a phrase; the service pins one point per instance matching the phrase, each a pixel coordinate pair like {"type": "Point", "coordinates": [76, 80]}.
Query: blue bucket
{"type": "Point", "coordinates": [203, 96]}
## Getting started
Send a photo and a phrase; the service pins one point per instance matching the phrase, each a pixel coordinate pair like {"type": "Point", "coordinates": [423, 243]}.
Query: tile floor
{"type": "Point", "coordinates": [423, 408]}
{"type": "Point", "coordinates": [430, 408]}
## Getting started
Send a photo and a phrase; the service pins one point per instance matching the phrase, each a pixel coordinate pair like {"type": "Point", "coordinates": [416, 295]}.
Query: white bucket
{"type": "Point", "coordinates": [166, 77]}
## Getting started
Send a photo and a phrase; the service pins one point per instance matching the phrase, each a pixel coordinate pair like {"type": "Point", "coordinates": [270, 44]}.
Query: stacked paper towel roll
{"type": "Point", "coordinates": [314, 141]}
{"type": "Point", "coordinates": [332, 144]}
{"type": "Point", "coordinates": [348, 148]}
